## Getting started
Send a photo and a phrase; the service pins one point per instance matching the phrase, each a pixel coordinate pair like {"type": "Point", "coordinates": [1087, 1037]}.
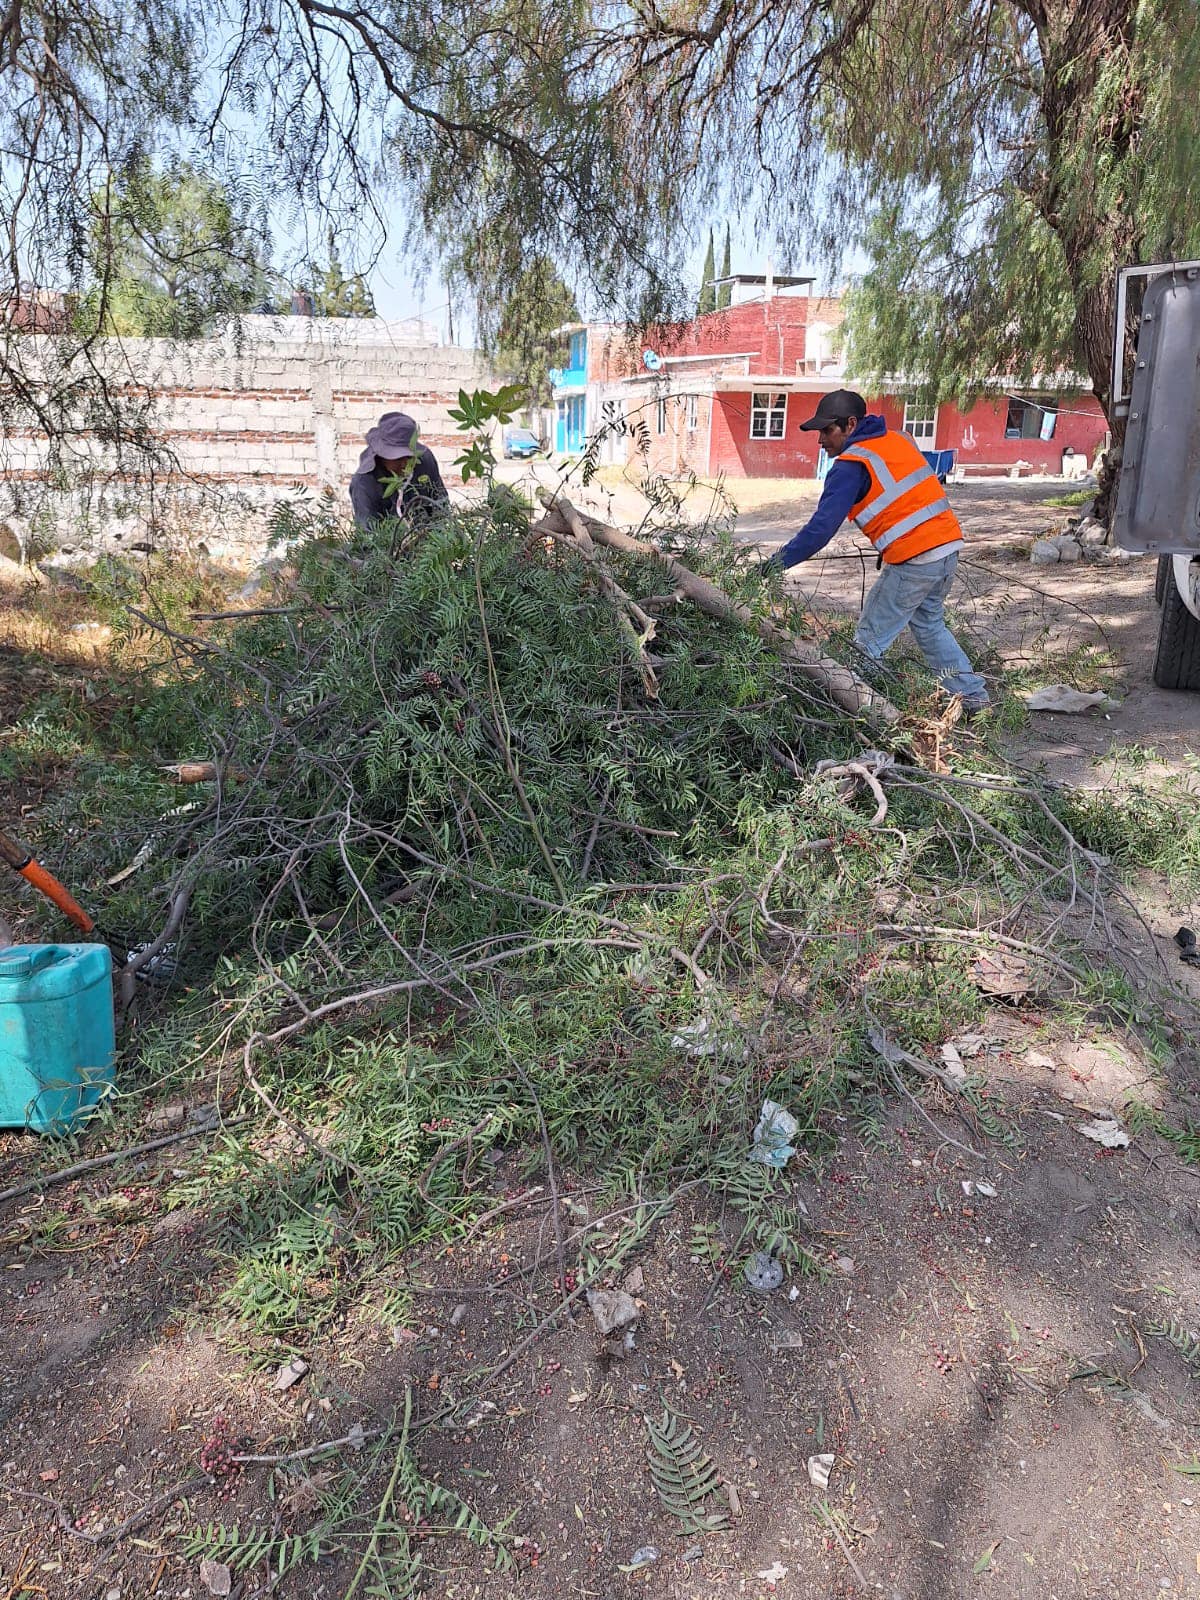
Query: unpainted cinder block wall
{"type": "Point", "coordinates": [274, 409]}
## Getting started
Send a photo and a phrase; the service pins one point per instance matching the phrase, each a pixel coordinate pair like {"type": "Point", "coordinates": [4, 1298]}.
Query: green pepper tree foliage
{"type": "Point", "coordinates": [1047, 147]}
{"type": "Point", "coordinates": [526, 342]}
{"type": "Point", "coordinates": [173, 252]}
{"type": "Point", "coordinates": [996, 158]}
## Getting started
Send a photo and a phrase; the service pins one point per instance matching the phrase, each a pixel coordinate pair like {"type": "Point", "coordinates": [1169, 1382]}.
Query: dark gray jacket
{"type": "Point", "coordinates": [424, 493]}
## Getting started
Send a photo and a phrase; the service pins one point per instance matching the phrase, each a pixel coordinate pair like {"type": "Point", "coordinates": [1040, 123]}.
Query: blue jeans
{"type": "Point", "coordinates": [912, 595]}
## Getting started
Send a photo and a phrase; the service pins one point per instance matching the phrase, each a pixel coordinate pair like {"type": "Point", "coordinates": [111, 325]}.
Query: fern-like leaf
{"type": "Point", "coordinates": [1183, 1340]}
{"type": "Point", "coordinates": [683, 1473]}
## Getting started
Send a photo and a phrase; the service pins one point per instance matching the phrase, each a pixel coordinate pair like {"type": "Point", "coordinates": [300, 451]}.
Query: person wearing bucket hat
{"type": "Point", "coordinates": [881, 482]}
{"type": "Point", "coordinates": [395, 456]}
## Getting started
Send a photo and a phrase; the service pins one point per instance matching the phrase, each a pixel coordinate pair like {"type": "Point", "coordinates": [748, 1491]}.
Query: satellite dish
{"type": "Point", "coordinates": [651, 360]}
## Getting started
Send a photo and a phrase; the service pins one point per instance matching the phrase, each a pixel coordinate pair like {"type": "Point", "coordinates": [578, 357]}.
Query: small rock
{"type": "Point", "coordinates": [763, 1272]}
{"type": "Point", "coordinates": [645, 1557]}
{"type": "Point", "coordinates": [612, 1309]}
{"type": "Point", "coordinates": [819, 1468]}
{"type": "Point", "coordinates": [457, 1315]}
{"type": "Point", "coordinates": [479, 1412]}
{"type": "Point", "coordinates": [291, 1372]}
{"type": "Point", "coordinates": [952, 1062]}
{"type": "Point", "coordinates": [1045, 552]}
{"type": "Point", "coordinates": [216, 1577]}
{"type": "Point", "coordinates": [164, 1117]}
{"type": "Point", "coordinates": [635, 1282]}
{"type": "Point", "coordinates": [1106, 1131]}
{"type": "Point", "coordinates": [845, 1264]}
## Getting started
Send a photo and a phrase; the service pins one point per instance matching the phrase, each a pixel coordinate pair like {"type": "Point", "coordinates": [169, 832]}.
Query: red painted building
{"type": "Point", "coordinates": [727, 392]}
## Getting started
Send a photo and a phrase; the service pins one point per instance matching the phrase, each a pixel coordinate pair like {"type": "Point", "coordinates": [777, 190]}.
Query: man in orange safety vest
{"type": "Point", "coordinates": [880, 481]}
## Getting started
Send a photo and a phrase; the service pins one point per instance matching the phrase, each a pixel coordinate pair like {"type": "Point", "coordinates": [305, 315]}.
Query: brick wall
{"type": "Point", "coordinates": [277, 404]}
{"type": "Point", "coordinates": [771, 332]}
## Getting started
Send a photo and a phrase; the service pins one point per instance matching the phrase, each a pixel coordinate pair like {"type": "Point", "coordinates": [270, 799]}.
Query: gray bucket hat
{"type": "Point", "coordinates": [394, 437]}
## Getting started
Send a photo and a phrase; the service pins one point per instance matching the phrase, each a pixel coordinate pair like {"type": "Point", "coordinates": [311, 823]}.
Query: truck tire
{"type": "Point", "coordinates": [1162, 576]}
{"type": "Point", "coordinates": [1177, 663]}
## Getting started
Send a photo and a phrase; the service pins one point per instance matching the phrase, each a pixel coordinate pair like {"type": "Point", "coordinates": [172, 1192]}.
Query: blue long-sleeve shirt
{"type": "Point", "coordinates": [846, 483]}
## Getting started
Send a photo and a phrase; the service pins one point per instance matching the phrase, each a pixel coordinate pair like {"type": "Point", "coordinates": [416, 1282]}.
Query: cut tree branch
{"type": "Point", "coordinates": [844, 687]}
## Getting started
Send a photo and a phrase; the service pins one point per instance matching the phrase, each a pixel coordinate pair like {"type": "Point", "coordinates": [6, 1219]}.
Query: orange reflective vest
{"type": "Point", "coordinates": [905, 512]}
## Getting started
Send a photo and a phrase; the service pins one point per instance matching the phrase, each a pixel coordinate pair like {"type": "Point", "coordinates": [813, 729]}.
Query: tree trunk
{"type": "Point", "coordinates": [1088, 123]}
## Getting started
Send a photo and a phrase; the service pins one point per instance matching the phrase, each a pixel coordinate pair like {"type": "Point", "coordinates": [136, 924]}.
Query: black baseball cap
{"type": "Point", "coordinates": [835, 407]}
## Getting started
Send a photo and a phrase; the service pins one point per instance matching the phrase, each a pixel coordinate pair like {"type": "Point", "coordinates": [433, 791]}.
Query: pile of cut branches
{"type": "Point", "coordinates": [433, 750]}
{"type": "Point", "coordinates": [522, 831]}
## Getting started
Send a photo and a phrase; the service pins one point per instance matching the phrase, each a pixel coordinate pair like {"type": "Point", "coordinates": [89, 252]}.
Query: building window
{"type": "Point", "coordinates": [571, 429]}
{"type": "Point", "coordinates": [693, 412]}
{"type": "Point", "coordinates": [920, 423]}
{"type": "Point", "coordinates": [660, 421]}
{"type": "Point", "coordinates": [577, 359]}
{"type": "Point", "coordinates": [768, 416]}
{"type": "Point", "coordinates": [1033, 417]}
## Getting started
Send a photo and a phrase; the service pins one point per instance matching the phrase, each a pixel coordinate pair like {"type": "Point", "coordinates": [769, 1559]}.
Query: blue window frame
{"type": "Point", "coordinates": [570, 434]}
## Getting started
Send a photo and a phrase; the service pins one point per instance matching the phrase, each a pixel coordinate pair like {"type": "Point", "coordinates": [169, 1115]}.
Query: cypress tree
{"type": "Point", "coordinates": [725, 292]}
{"type": "Point", "coordinates": [708, 295]}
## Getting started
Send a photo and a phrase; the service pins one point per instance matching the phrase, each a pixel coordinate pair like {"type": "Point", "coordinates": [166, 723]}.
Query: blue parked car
{"type": "Point", "coordinates": [520, 444]}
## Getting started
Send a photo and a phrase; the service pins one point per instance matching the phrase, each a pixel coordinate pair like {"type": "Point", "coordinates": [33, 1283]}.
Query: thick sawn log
{"type": "Point", "coordinates": [844, 687]}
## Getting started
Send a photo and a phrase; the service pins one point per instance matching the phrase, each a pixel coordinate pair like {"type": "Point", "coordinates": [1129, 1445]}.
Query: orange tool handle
{"type": "Point", "coordinates": [19, 859]}
{"type": "Point", "coordinates": [48, 885]}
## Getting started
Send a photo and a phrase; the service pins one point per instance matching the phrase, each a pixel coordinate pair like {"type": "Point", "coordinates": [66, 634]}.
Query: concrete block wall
{"type": "Point", "coordinates": [273, 406]}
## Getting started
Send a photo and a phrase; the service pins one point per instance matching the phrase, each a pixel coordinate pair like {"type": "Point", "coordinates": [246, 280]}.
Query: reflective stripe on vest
{"type": "Point", "coordinates": [893, 514]}
{"type": "Point", "coordinates": [913, 520]}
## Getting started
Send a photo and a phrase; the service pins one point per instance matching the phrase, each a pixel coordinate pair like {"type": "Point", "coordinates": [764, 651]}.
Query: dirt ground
{"type": "Point", "coordinates": [990, 1372]}
{"type": "Point", "coordinates": [982, 1369]}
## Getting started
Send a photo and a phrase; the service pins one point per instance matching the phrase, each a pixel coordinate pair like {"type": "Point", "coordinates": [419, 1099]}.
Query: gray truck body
{"type": "Point", "coordinates": [1158, 492]}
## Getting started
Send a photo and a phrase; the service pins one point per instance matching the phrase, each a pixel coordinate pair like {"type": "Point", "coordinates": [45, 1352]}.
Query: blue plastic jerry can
{"type": "Point", "coordinates": [57, 1034]}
